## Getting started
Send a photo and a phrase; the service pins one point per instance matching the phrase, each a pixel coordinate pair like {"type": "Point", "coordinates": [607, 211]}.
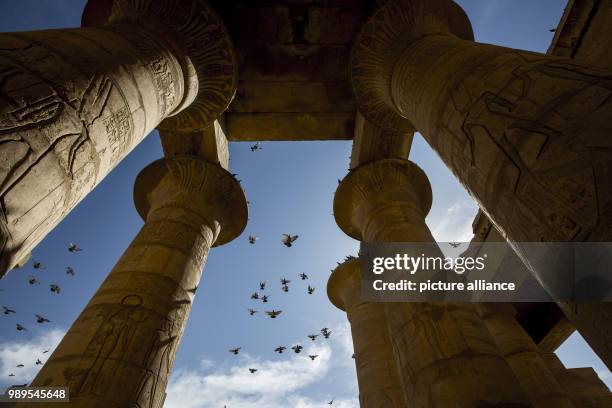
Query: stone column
{"type": "Point", "coordinates": [120, 350]}
{"type": "Point", "coordinates": [377, 374]}
{"type": "Point", "coordinates": [445, 355]}
{"type": "Point", "coordinates": [75, 102]}
{"type": "Point", "coordinates": [527, 134]}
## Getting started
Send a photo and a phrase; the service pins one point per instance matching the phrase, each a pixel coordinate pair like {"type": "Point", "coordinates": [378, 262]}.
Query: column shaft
{"type": "Point", "coordinates": [121, 348]}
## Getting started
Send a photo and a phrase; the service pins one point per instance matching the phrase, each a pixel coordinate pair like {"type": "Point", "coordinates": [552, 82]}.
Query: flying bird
{"type": "Point", "coordinates": [256, 146]}
{"type": "Point", "coordinates": [37, 265]}
{"type": "Point", "coordinates": [274, 313]}
{"type": "Point", "coordinates": [253, 239]}
{"type": "Point", "coordinates": [303, 276]}
{"type": "Point", "coordinates": [38, 362]}
{"type": "Point", "coordinates": [264, 298]}
{"type": "Point", "coordinates": [252, 312]}
{"type": "Point", "coordinates": [33, 281]}
{"type": "Point", "coordinates": [454, 244]}
{"type": "Point", "coordinates": [310, 290]}
{"type": "Point", "coordinates": [69, 271]}
{"type": "Point", "coordinates": [19, 365]}
{"type": "Point", "coordinates": [288, 240]}
{"type": "Point", "coordinates": [552, 30]}
{"type": "Point", "coordinates": [255, 295]}
{"type": "Point", "coordinates": [54, 288]}
{"type": "Point", "coordinates": [313, 337]}
{"type": "Point", "coordinates": [330, 402]}
{"type": "Point", "coordinates": [313, 356]}
{"type": "Point", "coordinates": [20, 327]}
{"type": "Point", "coordinates": [262, 285]}
{"type": "Point", "coordinates": [280, 349]}
{"type": "Point", "coordinates": [74, 248]}
{"type": "Point", "coordinates": [45, 351]}
{"type": "Point", "coordinates": [7, 310]}
{"type": "Point", "coordinates": [235, 350]}
{"type": "Point", "coordinates": [41, 319]}
{"type": "Point", "coordinates": [353, 356]}
{"type": "Point", "coordinates": [11, 375]}
{"type": "Point", "coordinates": [285, 288]}
{"type": "Point", "coordinates": [326, 332]}
{"type": "Point", "coordinates": [284, 281]}
{"type": "Point", "coordinates": [253, 370]}
{"type": "Point", "coordinates": [297, 349]}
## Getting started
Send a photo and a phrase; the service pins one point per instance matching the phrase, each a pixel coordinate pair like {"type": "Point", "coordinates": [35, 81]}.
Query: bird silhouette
{"type": "Point", "coordinates": [280, 349]}
{"type": "Point", "coordinates": [235, 351]}
{"type": "Point", "coordinates": [20, 327]}
{"type": "Point", "coordinates": [297, 349]}
{"type": "Point", "coordinates": [313, 356]}
{"type": "Point", "coordinates": [285, 288]}
{"type": "Point", "coordinates": [11, 375]}
{"type": "Point", "coordinates": [252, 312]}
{"type": "Point", "coordinates": [284, 281]}
{"type": "Point", "coordinates": [69, 271]}
{"type": "Point", "coordinates": [41, 319]}
{"type": "Point", "coordinates": [303, 276]}
{"type": "Point", "coordinates": [310, 290]}
{"type": "Point", "coordinates": [255, 295]}
{"type": "Point", "coordinates": [330, 402]}
{"type": "Point", "coordinates": [353, 356]}
{"type": "Point", "coordinates": [288, 240]}
{"type": "Point", "coordinates": [54, 288]}
{"type": "Point", "coordinates": [253, 370]}
{"type": "Point", "coordinates": [74, 248]}
{"type": "Point", "coordinates": [33, 281]}
{"type": "Point", "coordinates": [45, 351]}
{"type": "Point", "coordinates": [262, 285]}
{"type": "Point", "coordinates": [454, 244]}
{"type": "Point", "coordinates": [552, 30]}
{"type": "Point", "coordinates": [38, 362]}
{"type": "Point", "coordinates": [253, 239]}
{"type": "Point", "coordinates": [264, 298]}
{"type": "Point", "coordinates": [19, 365]}
{"type": "Point", "coordinates": [313, 337]}
{"type": "Point", "coordinates": [326, 332]}
{"type": "Point", "coordinates": [256, 146]}
{"type": "Point", "coordinates": [7, 310]}
{"type": "Point", "coordinates": [274, 313]}
{"type": "Point", "coordinates": [37, 265]}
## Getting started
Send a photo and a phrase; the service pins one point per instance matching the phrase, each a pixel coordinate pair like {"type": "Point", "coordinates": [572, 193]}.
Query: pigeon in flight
{"type": "Point", "coordinates": [303, 276]}
{"type": "Point", "coordinates": [45, 351]}
{"type": "Point", "coordinates": [69, 271]}
{"type": "Point", "coordinates": [255, 295]}
{"type": "Point", "coordinates": [7, 310]}
{"type": "Point", "coordinates": [256, 146]}
{"type": "Point", "coordinates": [330, 402]}
{"type": "Point", "coordinates": [37, 265]}
{"type": "Point", "coordinates": [262, 285]}
{"type": "Point", "coordinates": [280, 349]}
{"type": "Point", "coordinates": [38, 362]}
{"type": "Point", "coordinates": [54, 288]}
{"type": "Point", "coordinates": [326, 332]}
{"type": "Point", "coordinates": [252, 312]}
{"type": "Point", "coordinates": [313, 356]}
{"type": "Point", "coordinates": [19, 365]}
{"type": "Point", "coordinates": [288, 240]}
{"type": "Point", "coordinates": [297, 349]}
{"type": "Point", "coordinates": [33, 281]}
{"type": "Point", "coordinates": [264, 298]}
{"type": "Point", "coordinates": [41, 319]}
{"type": "Point", "coordinates": [454, 244]}
{"type": "Point", "coordinates": [253, 239]}
{"type": "Point", "coordinates": [552, 30]}
{"type": "Point", "coordinates": [285, 288]}
{"type": "Point", "coordinates": [20, 327]}
{"type": "Point", "coordinates": [313, 337]}
{"type": "Point", "coordinates": [253, 370]}
{"type": "Point", "coordinates": [310, 290]}
{"type": "Point", "coordinates": [274, 313]}
{"type": "Point", "coordinates": [353, 356]}
{"type": "Point", "coordinates": [74, 248]}
{"type": "Point", "coordinates": [284, 281]}
{"type": "Point", "coordinates": [11, 375]}
{"type": "Point", "coordinates": [235, 351]}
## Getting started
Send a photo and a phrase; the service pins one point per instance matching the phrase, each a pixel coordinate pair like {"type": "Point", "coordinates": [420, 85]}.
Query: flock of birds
{"type": "Point", "coordinates": [40, 319]}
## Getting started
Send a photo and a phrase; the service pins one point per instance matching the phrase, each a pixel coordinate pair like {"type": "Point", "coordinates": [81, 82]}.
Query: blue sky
{"type": "Point", "coordinates": [290, 186]}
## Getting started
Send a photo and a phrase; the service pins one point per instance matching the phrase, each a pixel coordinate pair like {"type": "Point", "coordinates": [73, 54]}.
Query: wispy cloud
{"type": "Point", "coordinates": [13, 353]}
{"type": "Point", "coordinates": [455, 224]}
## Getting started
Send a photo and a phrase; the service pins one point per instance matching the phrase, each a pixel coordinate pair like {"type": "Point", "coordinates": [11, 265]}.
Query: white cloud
{"type": "Point", "coordinates": [277, 383]}
{"type": "Point", "coordinates": [455, 224]}
{"type": "Point", "coordinates": [14, 352]}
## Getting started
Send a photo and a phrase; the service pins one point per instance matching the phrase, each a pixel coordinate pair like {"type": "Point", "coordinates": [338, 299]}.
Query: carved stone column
{"type": "Point", "coordinates": [527, 134]}
{"type": "Point", "coordinates": [119, 351]}
{"type": "Point", "coordinates": [377, 374]}
{"type": "Point", "coordinates": [75, 102]}
{"type": "Point", "coordinates": [445, 355]}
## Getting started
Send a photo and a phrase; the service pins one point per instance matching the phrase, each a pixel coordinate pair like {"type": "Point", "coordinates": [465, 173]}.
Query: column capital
{"type": "Point", "coordinates": [380, 191]}
{"type": "Point", "coordinates": [344, 283]}
{"type": "Point", "coordinates": [201, 187]}
{"type": "Point", "coordinates": [380, 43]}
{"type": "Point", "coordinates": [209, 60]}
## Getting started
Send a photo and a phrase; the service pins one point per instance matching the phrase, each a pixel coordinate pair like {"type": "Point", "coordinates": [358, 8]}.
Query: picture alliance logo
{"type": "Point", "coordinates": [412, 264]}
